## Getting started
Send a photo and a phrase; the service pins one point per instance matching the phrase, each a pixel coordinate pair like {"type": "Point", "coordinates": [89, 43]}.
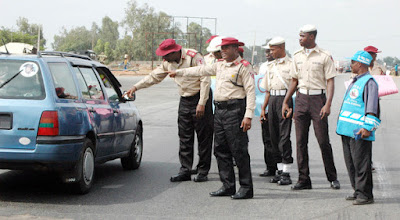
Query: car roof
{"type": "Point", "coordinates": [53, 56]}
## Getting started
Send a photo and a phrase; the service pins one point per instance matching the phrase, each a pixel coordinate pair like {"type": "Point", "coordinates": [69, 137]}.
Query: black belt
{"type": "Point", "coordinates": [189, 98]}
{"type": "Point", "coordinates": [228, 104]}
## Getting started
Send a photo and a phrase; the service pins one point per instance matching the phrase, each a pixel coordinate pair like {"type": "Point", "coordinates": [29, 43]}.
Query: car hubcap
{"type": "Point", "coordinates": [88, 166]}
{"type": "Point", "coordinates": [138, 148]}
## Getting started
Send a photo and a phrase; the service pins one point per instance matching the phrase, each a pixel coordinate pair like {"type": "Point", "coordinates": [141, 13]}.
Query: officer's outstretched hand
{"type": "Point", "coordinates": [200, 109]}
{"type": "Point", "coordinates": [325, 111]}
{"type": "Point", "coordinates": [286, 111]}
{"type": "Point", "coordinates": [246, 124]}
{"type": "Point", "coordinates": [130, 92]}
{"type": "Point", "coordinates": [172, 73]}
{"type": "Point", "coordinates": [364, 133]}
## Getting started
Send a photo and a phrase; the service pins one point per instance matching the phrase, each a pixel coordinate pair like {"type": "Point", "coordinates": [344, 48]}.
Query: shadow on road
{"type": "Point", "coordinates": [112, 185]}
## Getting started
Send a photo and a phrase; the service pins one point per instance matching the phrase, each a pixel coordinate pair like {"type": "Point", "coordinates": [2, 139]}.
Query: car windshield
{"type": "Point", "coordinates": [20, 79]}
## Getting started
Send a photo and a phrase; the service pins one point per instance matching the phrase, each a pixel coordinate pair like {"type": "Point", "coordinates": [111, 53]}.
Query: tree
{"type": "Point", "coordinates": [76, 39]}
{"type": "Point", "coordinates": [198, 41]}
{"type": "Point", "coordinates": [99, 48]}
{"type": "Point", "coordinates": [109, 31]}
{"type": "Point", "coordinates": [95, 30]}
{"type": "Point", "coordinates": [27, 33]}
{"type": "Point", "coordinates": [388, 60]}
{"type": "Point", "coordinates": [391, 61]}
{"type": "Point", "coordinates": [108, 51]}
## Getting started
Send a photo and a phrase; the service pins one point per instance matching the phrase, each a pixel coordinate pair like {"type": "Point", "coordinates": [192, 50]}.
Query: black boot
{"type": "Point", "coordinates": [285, 179]}
{"type": "Point", "coordinates": [277, 177]}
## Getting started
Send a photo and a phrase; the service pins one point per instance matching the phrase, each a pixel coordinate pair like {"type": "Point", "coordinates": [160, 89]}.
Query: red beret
{"type": "Point", "coordinates": [371, 49]}
{"type": "Point", "coordinates": [231, 41]}
{"type": "Point", "coordinates": [210, 39]}
{"type": "Point", "coordinates": [167, 46]}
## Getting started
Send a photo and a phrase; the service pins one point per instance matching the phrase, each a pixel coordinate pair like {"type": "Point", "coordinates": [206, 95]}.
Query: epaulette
{"type": "Point", "coordinates": [191, 53]}
{"type": "Point", "coordinates": [220, 60]}
{"type": "Point", "coordinates": [298, 51]}
{"type": "Point", "coordinates": [245, 62]}
{"type": "Point", "coordinates": [325, 52]}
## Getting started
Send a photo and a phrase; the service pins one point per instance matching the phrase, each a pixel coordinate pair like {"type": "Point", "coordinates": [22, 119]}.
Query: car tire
{"type": "Point", "coordinates": [133, 160]}
{"type": "Point", "coordinates": [85, 169]}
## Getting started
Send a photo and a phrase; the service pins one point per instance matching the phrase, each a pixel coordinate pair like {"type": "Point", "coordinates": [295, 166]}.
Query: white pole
{"type": "Point", "coordinates": [254, 47]}
{"type": "Point", "coordinates": [38, 39]}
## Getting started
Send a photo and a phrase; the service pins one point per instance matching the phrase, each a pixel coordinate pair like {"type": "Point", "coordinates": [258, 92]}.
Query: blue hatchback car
{"type": "Point", "coordinates": [64, 112]}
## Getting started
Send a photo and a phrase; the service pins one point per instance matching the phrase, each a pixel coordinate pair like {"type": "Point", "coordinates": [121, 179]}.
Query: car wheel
{"type": "Point", "coordinates": [133, 160]}
{"type": "Point", "coordinates": [85, 169]}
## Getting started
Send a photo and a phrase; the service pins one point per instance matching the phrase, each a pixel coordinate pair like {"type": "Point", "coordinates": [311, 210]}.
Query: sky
{"type": "Point", "coordinates": [344, 26]}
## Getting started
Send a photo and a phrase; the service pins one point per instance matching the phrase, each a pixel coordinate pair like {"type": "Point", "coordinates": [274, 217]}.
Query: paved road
{"type": "Point", "coordinates": [148, 194]}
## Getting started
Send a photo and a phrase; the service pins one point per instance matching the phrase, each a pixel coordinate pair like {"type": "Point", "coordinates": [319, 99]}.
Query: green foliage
{"type": "Point", "coordinates": [194, 39]}
{"type": "Point", "coordinates": [99, 48]}
{"type": "Point", "coordinates": [109, 31]}
{"type": "Point", "coordinates": [391, 61]}
{"type": "Point", "coordinates": [76, 39]}
{"type": "Point", "coordinates": [26, 33]}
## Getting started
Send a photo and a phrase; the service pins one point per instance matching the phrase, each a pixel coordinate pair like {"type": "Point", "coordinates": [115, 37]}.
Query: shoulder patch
{"type": "Point", "coordinates": [245, 62]}
{"type": "Point", "coordinates": [220, 60]}
{"type": "Point", "coordinates": [325, 52]}
{"type": "Point", "coordinates": [191, 53]}
{"type": "Point", "coordinates": [298, 51]}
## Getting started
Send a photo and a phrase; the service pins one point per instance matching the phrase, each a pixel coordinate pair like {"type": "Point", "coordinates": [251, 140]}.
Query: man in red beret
{"type": "Point", "coordinates": [375, 68]}
{"type": "Point", "coordinates": [241, 51]}
{"type": "Point", "coordinates": [195, 112]}
{"type": "Point", "coordinates": [234, 101]}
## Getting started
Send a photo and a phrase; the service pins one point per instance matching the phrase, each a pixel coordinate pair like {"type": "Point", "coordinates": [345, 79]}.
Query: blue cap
{"type": "Point", "coordinates": [362, 57]}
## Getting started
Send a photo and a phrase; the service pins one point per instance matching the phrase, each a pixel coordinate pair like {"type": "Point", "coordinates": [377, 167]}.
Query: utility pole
{"type": "Point", "coordinates": [38, 39]}
{"type": "Point", "coordinates": [254, 47]}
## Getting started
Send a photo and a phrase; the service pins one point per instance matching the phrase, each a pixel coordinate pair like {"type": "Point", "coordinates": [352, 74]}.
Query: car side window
{"type": "Point", "coordinates": [63, 81]}
{"type": "Point", "coordinates": [109, 88]}
{"type": "Point", "coordinates": [92, 84]}
{"type": "Point", "coordinates": [82, 84]}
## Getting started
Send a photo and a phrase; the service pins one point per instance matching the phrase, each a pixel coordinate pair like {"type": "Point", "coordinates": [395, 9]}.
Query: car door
{"type": "Point", "coordinates": [100, 112]}
{"type": "Point", "coordinates": [124, 114]}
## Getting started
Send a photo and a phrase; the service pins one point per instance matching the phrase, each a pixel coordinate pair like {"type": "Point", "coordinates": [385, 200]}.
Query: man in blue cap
{"type": "Point", "coordinates": [358, 120]}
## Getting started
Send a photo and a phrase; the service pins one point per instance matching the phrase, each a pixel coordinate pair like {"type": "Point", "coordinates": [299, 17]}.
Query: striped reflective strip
{"type": "Point", "coordinates": [351, 120]}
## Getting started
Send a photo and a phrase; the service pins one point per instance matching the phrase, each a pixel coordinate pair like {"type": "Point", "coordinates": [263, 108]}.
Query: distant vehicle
{"type": "Point", "coordinates": [18, 48]}
{"type": "Point", "coordinates": [89, 53]}
{"type": "Point", "coordinates": [65, 113]}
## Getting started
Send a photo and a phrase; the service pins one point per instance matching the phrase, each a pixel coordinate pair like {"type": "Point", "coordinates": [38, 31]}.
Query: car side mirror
{"type": "Point", "coordinates": [126, 98]}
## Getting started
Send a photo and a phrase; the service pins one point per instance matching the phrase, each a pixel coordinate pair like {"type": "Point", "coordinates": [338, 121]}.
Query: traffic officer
{"type": "Point", "coordinates": [375, 68]}
{"type": "Point", "coordinates": [313, 75]}
{"type": "Point", "coordinates": [357, 122]}
{"type": "Point", "coordinates": [214, 50]}
{"type": "Point", "coordinates": [194, 114]}
{"type": "Point", "coordinates": [278, 79]}
{"type": "Point", "coordinates": [241, 52]}
{"type": "Point", "coordinates": [234, 100]}
{"type": "Point", "coordinates": [269, 158]}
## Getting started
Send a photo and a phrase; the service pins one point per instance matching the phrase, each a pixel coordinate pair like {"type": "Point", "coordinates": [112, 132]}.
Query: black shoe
{"type": "Point", "coordinates": [359, 201]}
{"type": "Point", "coordinates": [200, 178]}
{"type": "Point", "coordinates": [335, 184]}
{"type": "Point", "coordinates": [223, 192]}
{"type": "Point", "coordinates": [351, 197]}
{"type": "Point", "coordinates": [285, 179]}
{"type": "Point", "coordinates": [194, 171]}
{"type": "Point", "coordinates": [277, 177]}
{"type": "Point", "coordinates": [302, 185]}
{"type": "Point", "coordinates": [268, 173]}
{"type": "Point", "coordinates": [243, 193]}
{"type": "Point", "coordinates": [180, 178]}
